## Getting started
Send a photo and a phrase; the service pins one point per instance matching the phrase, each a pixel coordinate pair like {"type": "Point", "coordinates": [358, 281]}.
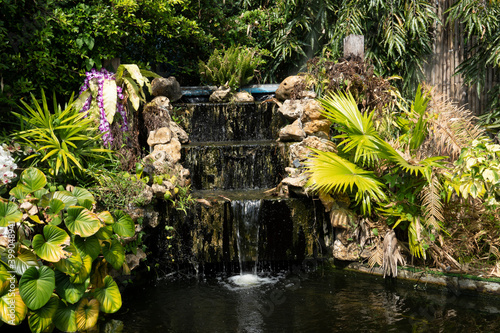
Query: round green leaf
{"type": "Point", "coordinates": [70, 292]}
{"type": "Point", "coordinates": [40, 193]}
{"type": "Point", "coordinates": [114, 253]}
{"type": "Point", "coordinates": [65, 196]}
{"type": "Point", "coordinates": [9, 213]}
{"type": "Point", "coordinates": [32, 180]}
{"type": "Point", "coordinates": [20, 309]}
{"type": "Point", "coordinates": [51, 245]}
{"type": "Point", "coordinates": [84, 271]}
{"type": "Point", "coordinates": [106, 217]}
{"type": "Point", "coordinates": [36, 286]}
{"type": "Point", "coordinates": [88, 245]}
{"type": "Point", "coordinates": [104, 233]}
{"type": "Point", "coordinates": [41, 319]}
{"type": "Point", "coordinates": [109, 296]}
{"type": "Point", "coordinates": [82, 222]}
{"type": "Point", "coordinates": [82, 194]}
{"type": "Point", "coordinates": [65, 317]}
{"type": "Point", "coordinates": [123, 226]}
{"type": "Point", "coordinates": [55, 206]}
{"type": "Point", "coordinates": [18, 192]}
{"type": "Point", "coordinates": [72, 264]}
{"type": "Point", "coordinates": [5, 279]}
{"type": "Point", "coordinates": [23, 260]}
{"type": "Point", "coordinates": [87, 314]}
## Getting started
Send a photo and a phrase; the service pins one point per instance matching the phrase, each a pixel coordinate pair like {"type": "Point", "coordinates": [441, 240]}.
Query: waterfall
{"type": "Point", "coordinates": [246, 220]}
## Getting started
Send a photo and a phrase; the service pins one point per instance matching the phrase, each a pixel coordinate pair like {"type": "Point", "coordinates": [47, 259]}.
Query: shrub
{"type": "Point", "coordinates": [63, 141]}
{"type": "Point", "coordinates": [55, 241]}
{"type": "Point", "coordinates": [234, 67]}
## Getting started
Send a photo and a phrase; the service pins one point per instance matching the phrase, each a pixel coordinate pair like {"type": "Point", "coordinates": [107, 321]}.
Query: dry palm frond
{"type": "Point", "coordinates": [377, 256]}
{"type": "Point", "coordinates": [432, 206]}
{"type": "Point", "coordinates": [392, 254]}
{"type": "Point", "coordinates": [451, 128]}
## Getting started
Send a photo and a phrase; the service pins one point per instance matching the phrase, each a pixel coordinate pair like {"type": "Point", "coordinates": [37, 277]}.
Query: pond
{"type": "Point", "coordinates": [324, 300]}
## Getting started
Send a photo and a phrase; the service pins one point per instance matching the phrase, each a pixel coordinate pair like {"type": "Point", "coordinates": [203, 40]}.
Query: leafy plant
{"type": "Point", "coordinates": [104, 93]}
{"type": "Point", "coordinates": [120, 190]}
{"type": "Point", "coordinates": [395, 182]}
{"type": "Point", "coordinates": [63, 141]}
{"type": "Point", "coordinates": [62, 251]}
{"type": "Point", "coordinates": [477, 172]}
{"type": "Point", "coordinates": [234, 67]}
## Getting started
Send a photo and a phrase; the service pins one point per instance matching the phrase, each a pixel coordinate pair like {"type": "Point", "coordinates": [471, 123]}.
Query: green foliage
{"type": "Point", "coordinates": [482, 27]}
{"type": "Point", "coordinates": [119, 190]}
{"type": "Point", "coordinates": [406, 191]}
{"type": "Point", "coordinates": [234, 67]}
{"type": "Point", "coordinates": [63, 141]}
{"type": "Point", "coordinates": [482, 54]}
{"type": "Point", "coordinates": [71, 258]}
{"type": "Point", "coordinates": [476, 173]}
{"type": "Point", "coordinates": [50, 44]}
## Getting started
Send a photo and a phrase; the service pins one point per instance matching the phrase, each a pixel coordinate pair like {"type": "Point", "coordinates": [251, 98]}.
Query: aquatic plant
{"type": "Point", "coordinates": [56, 255]}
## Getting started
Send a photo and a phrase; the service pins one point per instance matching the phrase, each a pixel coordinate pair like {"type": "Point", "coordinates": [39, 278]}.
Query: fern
{"type": "Point", "coordinates": [233, 67]}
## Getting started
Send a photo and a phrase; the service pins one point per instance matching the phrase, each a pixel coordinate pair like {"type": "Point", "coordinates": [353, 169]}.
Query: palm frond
{"type": "Point", "coordinates": [415, 240]}
{"type": "Point", "coordinates": [451, 127]}
{"type": "Point", "coordinates": [330, 172]}
{"type": "Point", "coordinates": [432, 205]}
{"type": "Point", "coordinates": [360, 133]}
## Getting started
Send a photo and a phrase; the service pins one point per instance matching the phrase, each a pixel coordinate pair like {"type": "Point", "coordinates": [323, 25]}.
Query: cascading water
{"type": "Point", "coordinates": [246, 219]}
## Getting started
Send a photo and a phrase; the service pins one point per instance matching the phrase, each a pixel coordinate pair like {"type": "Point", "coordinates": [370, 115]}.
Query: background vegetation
{"type": "Point", "coordinates": [50, 44]}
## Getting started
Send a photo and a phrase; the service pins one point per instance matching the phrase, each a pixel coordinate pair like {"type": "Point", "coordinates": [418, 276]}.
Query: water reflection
{"type": "Point", "coordinates": [330, 302]}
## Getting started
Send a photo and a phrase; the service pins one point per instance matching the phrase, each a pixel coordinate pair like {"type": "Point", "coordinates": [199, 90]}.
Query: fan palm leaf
{"type": "Point", "coordinates": [330, 172]}
{"type": "Point", "coordinates": [359, 130]}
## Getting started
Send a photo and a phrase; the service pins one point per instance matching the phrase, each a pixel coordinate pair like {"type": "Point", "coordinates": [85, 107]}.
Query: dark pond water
{"type": "Point", "coordinates": [320, 301]}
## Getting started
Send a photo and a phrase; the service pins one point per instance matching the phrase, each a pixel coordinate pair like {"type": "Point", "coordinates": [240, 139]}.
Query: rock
{"type": "Point", "coordinates": [155, 116]}
{"type": "Point", "coordinates": [134, 260]}
{"type": "Point", "coordinates": [293, 109]}
{"type": "Point", "coordinates": [293, 172]}
{"type": "Point", "coordinates": [147, 195]}
{"type": "Point", "coordinates": [159, 190]}
{"type": "Point", "coordinates": [349, 252]}
{"type": "Point", "coordinates": [162, 102]}
{"type": "Point", "coordinates": [242, 97]}
{"type": "Point", "coordinates": [160, 136]}
{"type": "Point", "coordinates": [151, 218]}
{"type": "Point", "coordinates": [300, 151]}
{"type": "Point", "coordinates": [204, 202]}
{"type": "Point", "coordinates": [172, 150]}
{"type": "Point", "coordinates": [307, 94]}
{"type": "Point", "coordinates": [179, 133]}
{"type": "Point", "coordinates": [317, 126]}
{"type": "Point", "coordinates": [287, 86]}
{"type": "Point", "coordinates": [168, 87]}
{"type": "Point", "coordinates": [221, 95]}
{"type": "Point", "coordinates": [184, 177]}
{"type": "Point", "coordinates": [292, 132]}
{"type": "Point", "coordinates": [311, 111]}
{"type": "Point", "coordinates": [296, 184]}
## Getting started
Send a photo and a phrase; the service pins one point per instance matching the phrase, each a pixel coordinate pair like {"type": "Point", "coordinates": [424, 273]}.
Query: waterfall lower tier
{"type": "Point", "coordinates": [246, 220]}
{"type": "Point", "coordinates": [289, 230]}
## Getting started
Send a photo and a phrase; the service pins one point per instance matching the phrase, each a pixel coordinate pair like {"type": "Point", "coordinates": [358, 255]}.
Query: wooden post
{"type": "Point", "coordinates": [354, 45]}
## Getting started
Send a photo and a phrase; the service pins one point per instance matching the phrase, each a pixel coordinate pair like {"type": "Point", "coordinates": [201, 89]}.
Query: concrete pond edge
{"type": "Point", "coordinates": [456, 283]}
